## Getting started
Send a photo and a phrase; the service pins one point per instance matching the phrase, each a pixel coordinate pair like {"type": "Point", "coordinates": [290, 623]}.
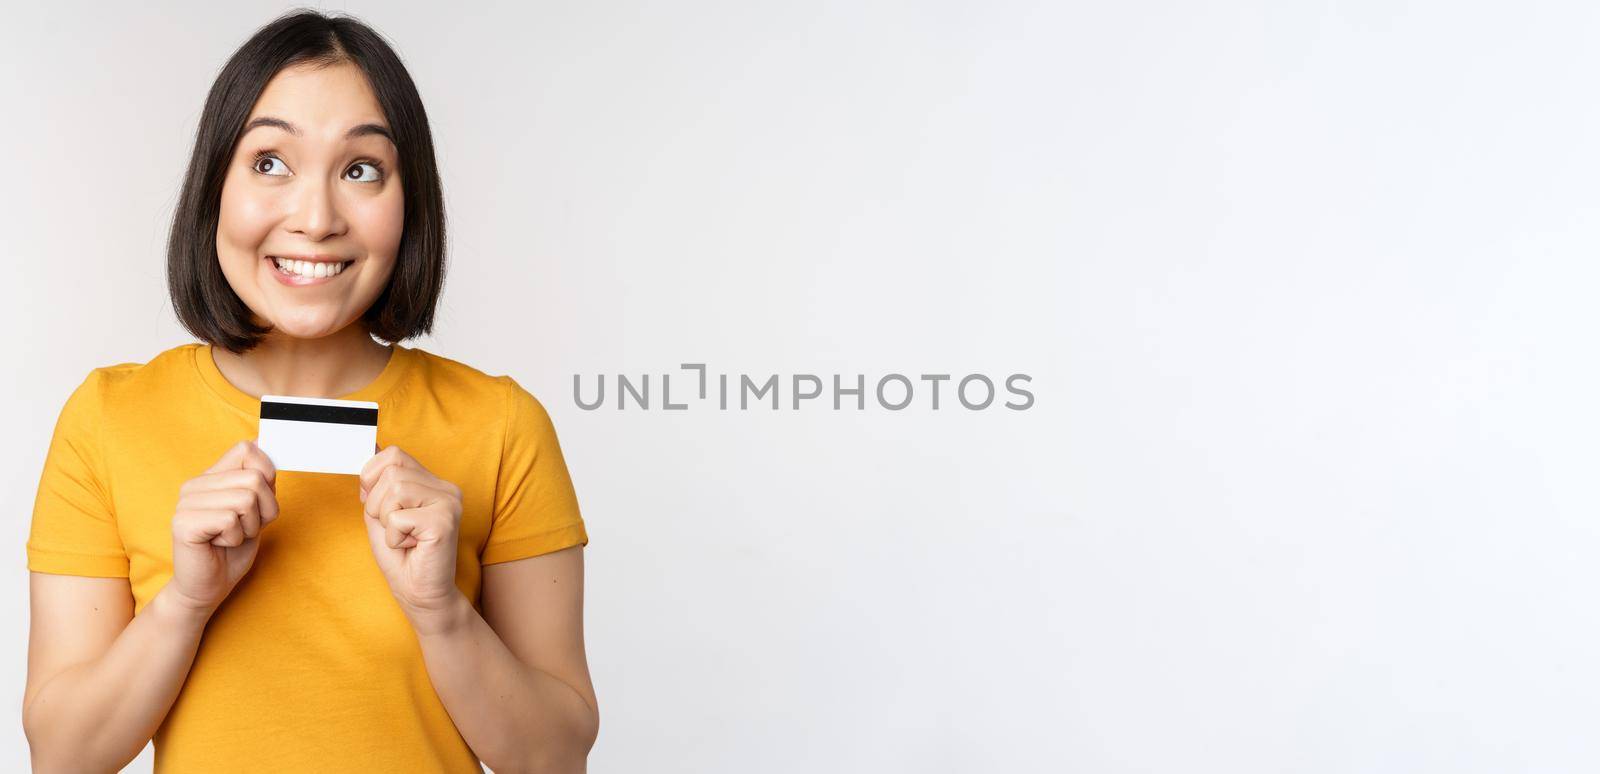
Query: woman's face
{"type": "Point", "coordinates": [314, 180]}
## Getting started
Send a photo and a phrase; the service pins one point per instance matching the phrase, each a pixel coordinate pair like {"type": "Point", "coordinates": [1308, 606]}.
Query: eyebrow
{"type": "Point", "coordinates": [359, 130]}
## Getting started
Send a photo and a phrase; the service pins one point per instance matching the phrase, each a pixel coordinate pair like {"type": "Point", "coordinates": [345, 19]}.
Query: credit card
{"type": "Point", "coordinates": [318, 435]}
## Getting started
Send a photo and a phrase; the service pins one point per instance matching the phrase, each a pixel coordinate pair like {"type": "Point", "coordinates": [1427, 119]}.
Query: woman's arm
{"type": "Point", "coordinates": [515, 679]}
{"type": "Point", "coordinates": [100, 679]}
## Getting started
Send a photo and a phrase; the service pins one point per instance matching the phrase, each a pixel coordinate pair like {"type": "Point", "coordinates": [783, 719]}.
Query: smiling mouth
{"type": "Point", "coordinates": [306, 270]}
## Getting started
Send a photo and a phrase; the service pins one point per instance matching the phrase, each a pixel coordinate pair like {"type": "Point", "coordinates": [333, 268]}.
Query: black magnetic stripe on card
{"type": "Point", "coordinates": [308, 412]}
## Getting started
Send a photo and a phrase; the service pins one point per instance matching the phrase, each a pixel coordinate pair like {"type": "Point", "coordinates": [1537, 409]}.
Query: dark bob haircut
{"type": "Point", "coordinates": [205, 304]}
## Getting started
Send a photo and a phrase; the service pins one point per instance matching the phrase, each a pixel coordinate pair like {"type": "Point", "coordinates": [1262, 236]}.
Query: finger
{"type": "Point", "coordinates": [418, 477]}
{"type": "Point", "coordinates": [231, 458]}
{"type": "Point", "coordinates": [373, 498]}
{"type": "Point", "coordinates": [266, 497]}
{"type": "Point", "coordinates": [394, 492]}
{"type": "Point", "coordinates": [239, 501]}
{"type": "Point", "coordinates": [383, 500]}
{"type": "Point", "coordinates": [232, 536]}
{"type": "Point", "coordinates": [194, 526]}
{"type": "Point", "coordinates": [246, 505]}
{"type": "Point", "coordinates": [249, 479]}
{"type": "Point", "coordinates": [199, 527]}
{"type": "Point", "coordinates": [383, 491]}
{"type": "Point", "coordinates": [399, 530]}
{"type": "Point", "coordinates": [238, 478]}
{"type": "Point", "coordinates": [410, 509]}
{"type": "Point", "coordinates": [263, 484]}
{"type": "Point", "coordinates": [256, 459]}
{"type": "Point", "coordinates": [250, 523]}
{"type": "Point", "coordinates": [390, 456]}
{"type": "Point", "coordinates": [375, 467]}
{"type": "Point", "coordinates": [426, 478]}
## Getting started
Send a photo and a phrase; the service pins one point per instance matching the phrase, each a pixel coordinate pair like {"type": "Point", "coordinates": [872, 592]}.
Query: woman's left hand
{"type": "Point", "coordinates": [413, 518]}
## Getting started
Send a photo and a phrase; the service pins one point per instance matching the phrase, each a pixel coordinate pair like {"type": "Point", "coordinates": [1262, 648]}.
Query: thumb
{"type": "Point", "coordinates": [377, 536]}
{"type": "Point", "coordinates": [233, 458]}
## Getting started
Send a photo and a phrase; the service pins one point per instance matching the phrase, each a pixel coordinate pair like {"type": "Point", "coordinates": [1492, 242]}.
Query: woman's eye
{"type": "Point", "coordinates": [271, 165]}
{"type": "Point", "coordinates": [371, 175]}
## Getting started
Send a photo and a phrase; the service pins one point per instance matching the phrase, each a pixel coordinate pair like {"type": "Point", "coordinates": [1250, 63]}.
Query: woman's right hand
{"type": "Point", "coordinates": [220, 513]}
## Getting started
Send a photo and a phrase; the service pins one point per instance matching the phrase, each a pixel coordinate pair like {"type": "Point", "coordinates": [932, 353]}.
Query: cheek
{"type": "Point", "coordinates": [380, 221]}
{"type": "Point", "coordinates": [243, 222]}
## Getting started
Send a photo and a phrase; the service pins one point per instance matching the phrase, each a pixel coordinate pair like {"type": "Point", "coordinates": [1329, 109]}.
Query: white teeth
{"type": "Point", "coordinates": [309, 269]}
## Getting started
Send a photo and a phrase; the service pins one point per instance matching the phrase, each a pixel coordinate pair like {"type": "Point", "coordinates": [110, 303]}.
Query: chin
{"type": "Point", "coordinates": [305, 329]}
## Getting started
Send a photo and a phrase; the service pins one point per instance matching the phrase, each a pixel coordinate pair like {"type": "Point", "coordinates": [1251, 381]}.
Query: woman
{"type": "Point", "coordinates": [421, 617]}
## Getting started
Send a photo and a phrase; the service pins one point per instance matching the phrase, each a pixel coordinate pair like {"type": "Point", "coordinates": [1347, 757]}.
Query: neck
{"type": "Point", "coordinates": [327, 367]}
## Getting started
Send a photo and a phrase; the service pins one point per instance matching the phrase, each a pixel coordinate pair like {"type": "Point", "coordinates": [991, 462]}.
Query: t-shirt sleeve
{"type": "Point", "coordinates": [535, 506]}
{"type": "Point", "coordinates": [74, 529]}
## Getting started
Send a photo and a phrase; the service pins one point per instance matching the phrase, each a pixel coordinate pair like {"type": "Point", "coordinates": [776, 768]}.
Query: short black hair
{"type": "Point", "coordinates": [204, 302]}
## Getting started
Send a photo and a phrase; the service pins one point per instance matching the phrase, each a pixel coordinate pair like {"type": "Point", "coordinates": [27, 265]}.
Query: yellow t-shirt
{"type": "Point", "coordinates": [309, 665]}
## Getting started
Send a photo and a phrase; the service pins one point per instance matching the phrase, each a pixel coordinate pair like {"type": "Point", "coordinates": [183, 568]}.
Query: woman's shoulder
{"type": "Point", "coordinates": [464, 382]}
{"type": "Point", "coordinates": [514, 419]}
{"type": "Point", "coordinates": [133, 374]}
{"type": "Point", "coordinates": [108, 385]}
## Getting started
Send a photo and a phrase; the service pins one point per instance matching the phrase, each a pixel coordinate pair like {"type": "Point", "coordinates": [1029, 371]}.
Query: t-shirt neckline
{"type": "Point", "coordinates": [400, 358]}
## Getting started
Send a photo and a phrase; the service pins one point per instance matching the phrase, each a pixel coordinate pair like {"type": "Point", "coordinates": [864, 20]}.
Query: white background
{"type": "Point", "coordinates": [1306, 289]}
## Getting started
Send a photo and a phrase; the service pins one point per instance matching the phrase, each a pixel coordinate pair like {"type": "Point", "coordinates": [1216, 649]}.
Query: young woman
{"type": "Point", "coordinates": [418, 618]}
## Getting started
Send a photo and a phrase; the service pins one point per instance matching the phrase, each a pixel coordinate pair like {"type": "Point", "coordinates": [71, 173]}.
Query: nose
{"type": "Point", "coordinates": [316, 214]}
